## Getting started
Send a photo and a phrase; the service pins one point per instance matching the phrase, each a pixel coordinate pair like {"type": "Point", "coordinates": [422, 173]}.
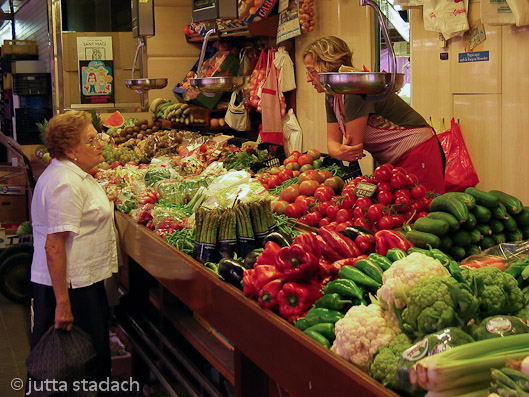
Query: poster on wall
{"type": "Point", "coordinates": [289, 25]}
{"type": "Point", "coordinates": [96, 68]}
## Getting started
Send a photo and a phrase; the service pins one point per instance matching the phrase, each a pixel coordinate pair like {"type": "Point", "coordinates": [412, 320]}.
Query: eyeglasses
{"type": "Point", "coordinates": [312, 72]}
{"type": "Point", "coordinates": [94, 142]}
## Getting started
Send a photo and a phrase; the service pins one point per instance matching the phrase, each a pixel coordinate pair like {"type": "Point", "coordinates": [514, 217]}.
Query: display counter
{"type": "Point", "coordinates": [265, 345]}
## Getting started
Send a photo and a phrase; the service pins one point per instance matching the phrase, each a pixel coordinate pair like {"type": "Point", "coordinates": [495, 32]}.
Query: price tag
{"type": "Point", "coordinates": [365, 189]}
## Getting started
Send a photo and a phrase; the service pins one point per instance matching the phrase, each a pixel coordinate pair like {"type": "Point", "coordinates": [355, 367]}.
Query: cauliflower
{"type": "Point", "coordinates": [497, 291]}
{"type": "Point", "coordinates": [385, 363]}
{"type": "Point", "coordinates": [403, 275]}
{"type": "Point", "coordinates": [362, 331]}
{"type": "Point", "coordinates": [438, 302]}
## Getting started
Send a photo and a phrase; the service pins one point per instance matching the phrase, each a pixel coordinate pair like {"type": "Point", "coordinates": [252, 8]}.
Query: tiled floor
{"type": "Point", "coordinates": [14, 345]}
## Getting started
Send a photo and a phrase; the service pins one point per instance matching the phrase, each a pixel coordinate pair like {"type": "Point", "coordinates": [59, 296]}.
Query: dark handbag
{"type": "Point", "coordinates": [62, 356]}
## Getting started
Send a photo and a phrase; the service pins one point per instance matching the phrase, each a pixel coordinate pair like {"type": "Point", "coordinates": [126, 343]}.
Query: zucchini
{"type": "Point", "coordinates": [522, 218]}
{"type": "Point", "coordinates": [467, 199]}
{"type": "Point", "coordinates": [475, 236]}
{"type": "Point", "coordinates": [496, 226]}
{"type": "Point", "coordinates": [499, 212]}
{"type": "Point", "coordinates": [472, 249]}
{"type": "Point", "coordinates": [514, 236]}
{"type": "Point", "coordinates": [423, 239]}
{"type": "Point", "coordinates": [487, 242]}
{"type": "Point", "coordinates": [438, 227]}
{"type": "Point", "coordinates": [452, 205]}
{"type": "Point", "coordinates": [446, 243]}
{"type": "Point", "coordinates": [453, 223]}
{"type": "Point", "coordinates": [457, 252]}
{"type": "Point", "coordinates": [509, 223]}
{"type": "Point", "coordinates": [499, 238]}
{"type": "Point", "coordinates": [485, 230]}
{"type": "Point", "coordinates": [513, 205]}
{"type": "Point", "coordinates": [471, 222]}
{"type": "Point", "coordinates": [461, 238]}
{"type": "Point", "coordinates": [482, 213]}
{"type": "Point", "coordinates": [482, 197]}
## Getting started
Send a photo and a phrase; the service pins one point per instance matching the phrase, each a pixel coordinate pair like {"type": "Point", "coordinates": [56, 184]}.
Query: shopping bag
{"type": "Point", "coordinates": [449, 17]}
{"type": "Point", "coordinates": [292, 133]}
{"type": "Point", "coordinates": [272, 125]}
{"type": "Point", "coordinates": [237, 116]}
{"type": "Point", "coordinates": [459, 172]}
{"type": "Point", "coordinates": [496, 12]}
{"type": "Point", "coordinates": [286, 78]}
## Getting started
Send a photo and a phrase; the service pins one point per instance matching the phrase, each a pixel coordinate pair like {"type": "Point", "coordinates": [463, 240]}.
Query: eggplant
{"type": "Point", "coordinates": [278, 237]}
{"type": "Point", "coordinates": [251, 258]}
{"type": "Point", "coordinates": [231, 271]}
{"type": "Point", "coordinates": [354, 231]}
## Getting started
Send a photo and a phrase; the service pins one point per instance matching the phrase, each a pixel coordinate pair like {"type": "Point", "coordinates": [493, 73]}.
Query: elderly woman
{"type": "Point", "coordinates": [74, 240]}
{"type": "Point", "coordinates": [390, 129]}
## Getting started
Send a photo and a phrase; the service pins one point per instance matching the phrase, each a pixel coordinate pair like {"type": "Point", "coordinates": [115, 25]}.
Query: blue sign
{"type": "Point", "coordinates": [479, 56]}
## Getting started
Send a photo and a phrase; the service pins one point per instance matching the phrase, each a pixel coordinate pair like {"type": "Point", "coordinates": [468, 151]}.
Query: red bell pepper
{"type": "Point", "coordinates": [327, 251]}
{"type": "Point", "coordinates": [268, 295]}
{"type": "Point", "coordinates": [296, 298]}
{"type": "Point", "coordinates": [386, 239]}
{"type": "Point", "coordinates": [365, 243]}
{"type": "Point", "coordinates": [268, 256]}
{"type": "Point", "coordinates": [264, 274]}
{"type": "Point", "coordinates": [297, 263]}
{"type": "Point", "coordinates": [248, 280]}
{"type": "Point", "coordinates": [310, 242]}
{"type": "Point", "coordinates": [345, 247]}
{"type": "Point", "coordinates": [328, 269]}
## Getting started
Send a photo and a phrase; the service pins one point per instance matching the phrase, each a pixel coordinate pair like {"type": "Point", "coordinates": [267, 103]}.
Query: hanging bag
{"type": "Point", "coordinates": [272, 131]}
{"type": "Point", "coordinates": [460, 172]}
{"type": "Point", "coordinates": [237, 115]}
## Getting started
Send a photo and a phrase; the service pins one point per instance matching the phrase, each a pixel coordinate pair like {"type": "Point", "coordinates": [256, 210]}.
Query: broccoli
{"type": "Point", "coordinates": [436, 303]}
{"type": "Point", "coordinates": [497, 291]}
{"type": "Point", "coordinates": [523, 314]}
{"type": "Point", "coordinates": [385, 363]}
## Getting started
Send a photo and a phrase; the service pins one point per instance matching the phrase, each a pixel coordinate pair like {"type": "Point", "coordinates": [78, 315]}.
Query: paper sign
{"type": "Point", "coordinates": [289, 25]}
{"type": "Point", "coordinates": [94, 49]}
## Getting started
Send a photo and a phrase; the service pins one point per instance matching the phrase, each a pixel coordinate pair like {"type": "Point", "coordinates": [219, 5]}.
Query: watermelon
{"type": "Point", "coordinates": [116, 120]}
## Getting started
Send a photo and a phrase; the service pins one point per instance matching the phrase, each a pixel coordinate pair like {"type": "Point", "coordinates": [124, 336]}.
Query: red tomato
{"type": "Point", "coordinates": [313, 218]}
{"type": "Point", "coordinates": [374, 212]}
{"type": "Point", "coordinates": [310, 175]}
{"type": "Point", "coordinates": [361, 222]}
{"type": "Point", "coordinates": [398, 220]}
{"type": "Point", "coordinates": [324, 193]}
{"type": "Point", "coordinates": [324, 222]}
{"type": "Point", "coordinates": [305, 159]}
{"type": "Point", "coordinates": [332, 210]}
{"type": "Point", "coordinates": [402, 192]}
{"type": "Point", "coordinates": [289, 193]}
{"type": "Point", "coordinates": [403, 203]}
{"type": "Point", "coordinates": [398, 180]}
{"type": "Point", "coordinates": [336, 183]}
{"type": "Point", "coordinates": [421, 214]}
{"type": "Point", "coordinates": [343, 225]}
{"type": "Point", "coordinates": [306, 204]}
{"type": "Point", "coordinates": [385, 197]}
{"type": "Point", "coordinates": [412, 180]}
{"type": "Point", "coordinates": [295, 153]}
{"type": "Point", "coordinates": [359, 212]}
{"type": "Point", "coordinates": [382, 174]}
{"type": "Point", "coordinates": [344, 215]}
{"type": "Point", "coordinates": [322, 207]}
{"type": "Point", "coordinates": [292, 210]}
{"type": "Point", "coordinates": [386, 222]}
{"type": "Point", "coordinates": [416, 205]}
{"type": "Point", "coordinates": [426, 201]}
{"type": "Point", "coordinates": [384, 186]}
{"type": "Point", "coordinates": [418, 191]}
{"type": "Point", "coordinates": [279, 206]}
{"type": "Point", "coordinates": [364, 202]}
{"type": "Point", "coordinates": [308, 187]}
{"type": "Point", "coordinates": [274, 181]}
{"type": "Point", "coordinates": [399, 170]}
{"type": "Point", "coordinates": [290, 159]}
{"type": "Point", "coordinates": [315, 154]}
{"type": "Point", "coordinates": [325, 174]}
{"type": "Point", "coordinates": [349, 200]}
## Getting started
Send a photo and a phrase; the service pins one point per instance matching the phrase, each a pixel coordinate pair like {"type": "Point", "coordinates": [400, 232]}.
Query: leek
{"type": "Point", "coordinates": [467, 364]}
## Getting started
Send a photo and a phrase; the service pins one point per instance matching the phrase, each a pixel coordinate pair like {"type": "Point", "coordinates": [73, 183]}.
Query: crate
{"type": "Point", "coordinates": [13, 207]}
{"type": "Point", "coordinates": [32, 102]}
{"type": "Point", "coordinates": [26, 124]}
{"type": "Point", "coordinates": [31, 83]}
{"type": "Point", "coordinates": [27, 47]}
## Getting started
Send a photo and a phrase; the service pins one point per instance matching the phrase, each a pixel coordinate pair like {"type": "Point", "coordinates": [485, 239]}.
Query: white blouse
{"type": "Point", "coordinates": [67, 199]}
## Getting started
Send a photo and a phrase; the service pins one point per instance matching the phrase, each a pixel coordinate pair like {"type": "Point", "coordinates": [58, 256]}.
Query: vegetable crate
{"type": "Point", "coordinates": [31, 83]}
{"type": "Point", "coordinates": [19, 47]}
{"type": "Point", "coordinates": [275, 150]}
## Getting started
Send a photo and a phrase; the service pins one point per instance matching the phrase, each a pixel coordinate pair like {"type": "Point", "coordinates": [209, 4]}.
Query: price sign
{"type": "Point", "coordinates": [365, 189]}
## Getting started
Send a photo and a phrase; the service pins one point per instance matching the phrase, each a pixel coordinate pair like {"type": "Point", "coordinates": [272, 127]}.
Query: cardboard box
{"type": "Point", "coordinates": [8, 237]}
{"type": "Point", "coordinates": [13, 207]}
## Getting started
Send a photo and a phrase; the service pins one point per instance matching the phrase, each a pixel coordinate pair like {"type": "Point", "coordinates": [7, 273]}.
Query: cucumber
{"type": "Point", "coordinates": [487, 242]}
{"type": "Point", "coordinates": [514, 236]}
{"type": "Point", "coordinates": [453, 223]}
{"type": "Point", "coordinates": [522, 218]}
{"type": "Point", "coordinates": [509, 223]}
{"type": "Point", "coordinates": [461, 238]}
{"type": "Point", "coordinates": [475, 236]}
{"type": "Point", "coordinates": [482, 213]}
{"type": "Point", "coordinates": [499, 212]}
{"type": "Point", "coordinates": [485, 230]}
{"type": "Point", "coordinates": [446, 243]}
{"type": "Point", "coordinates": [482, 197]}
{"type": "Point", "coordinates": [438, 227]}
{"type": "Point", "coordinates": [513, 205]}
{"type": "Point", "coordinates": [448, 203]}
{"type": "Point", "coordinates": [496, 226]}
{"type": "Point", "coordinates": [457, 252]}
{"type": "Point", "coordinates": [471, 222]}
{"type": "Point", "coordinates": [467, 199]}
{"type": "Point", "coordinates": [472, 249]}
{"type": "Point", "coordinates": [423, 239]}
{"type": "Point", "coordinates": [499, 238]}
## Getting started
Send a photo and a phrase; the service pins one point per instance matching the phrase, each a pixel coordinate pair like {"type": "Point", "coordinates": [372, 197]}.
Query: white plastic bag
{"type": "Point", "coordinates": [286, 78]}
{"type": "Point", "coordinates": [520, 10]}
{"type": "Point", "coordinates": [237, 115]}
{"type": "Point", "coordinates": [496, 12]}
{"type": "Point", "coordinates": [292, 133]}
{"type": "Point", "coordinates": [448, 17]}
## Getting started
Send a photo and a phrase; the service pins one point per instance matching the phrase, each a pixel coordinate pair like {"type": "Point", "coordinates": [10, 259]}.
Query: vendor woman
{"type": "Point", "coordinates": [390, 129]}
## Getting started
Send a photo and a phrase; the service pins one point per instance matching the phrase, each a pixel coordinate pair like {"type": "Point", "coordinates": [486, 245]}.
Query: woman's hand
{"type": "Point", "coordinates": [63, 316]}
{"type": "Point", "coordinates": [348, 152]}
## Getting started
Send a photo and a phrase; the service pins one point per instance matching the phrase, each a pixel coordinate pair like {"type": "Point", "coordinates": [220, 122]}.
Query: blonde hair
{"type": "Point", "coordinates": [64, 131]}
{"type": "Point", "coordinates": [329, 53]}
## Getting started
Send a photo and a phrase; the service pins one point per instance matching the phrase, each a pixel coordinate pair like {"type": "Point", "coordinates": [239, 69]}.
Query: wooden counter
{"type": "Point", "coordinates": [288, 356]}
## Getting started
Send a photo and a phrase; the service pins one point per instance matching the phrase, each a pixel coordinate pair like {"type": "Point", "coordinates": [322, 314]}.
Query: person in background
{"type": "Point", "coordinates": [390, 129]}
{"type": "Point", "coordinates": [74, 237]}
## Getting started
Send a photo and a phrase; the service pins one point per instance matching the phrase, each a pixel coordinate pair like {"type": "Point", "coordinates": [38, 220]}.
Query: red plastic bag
{"type": "Point", "coordinates": [459, 172]}
{"type": "Point", "coordinates": [257, 79]}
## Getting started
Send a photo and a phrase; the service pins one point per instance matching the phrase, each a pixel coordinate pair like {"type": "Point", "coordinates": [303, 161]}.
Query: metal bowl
{"type": "Point", "coordinates": [143, 85]}
{"type": "Point", "coordinates": [218, 84]}
{"type": "Point", "coordinates": [368, 83]}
